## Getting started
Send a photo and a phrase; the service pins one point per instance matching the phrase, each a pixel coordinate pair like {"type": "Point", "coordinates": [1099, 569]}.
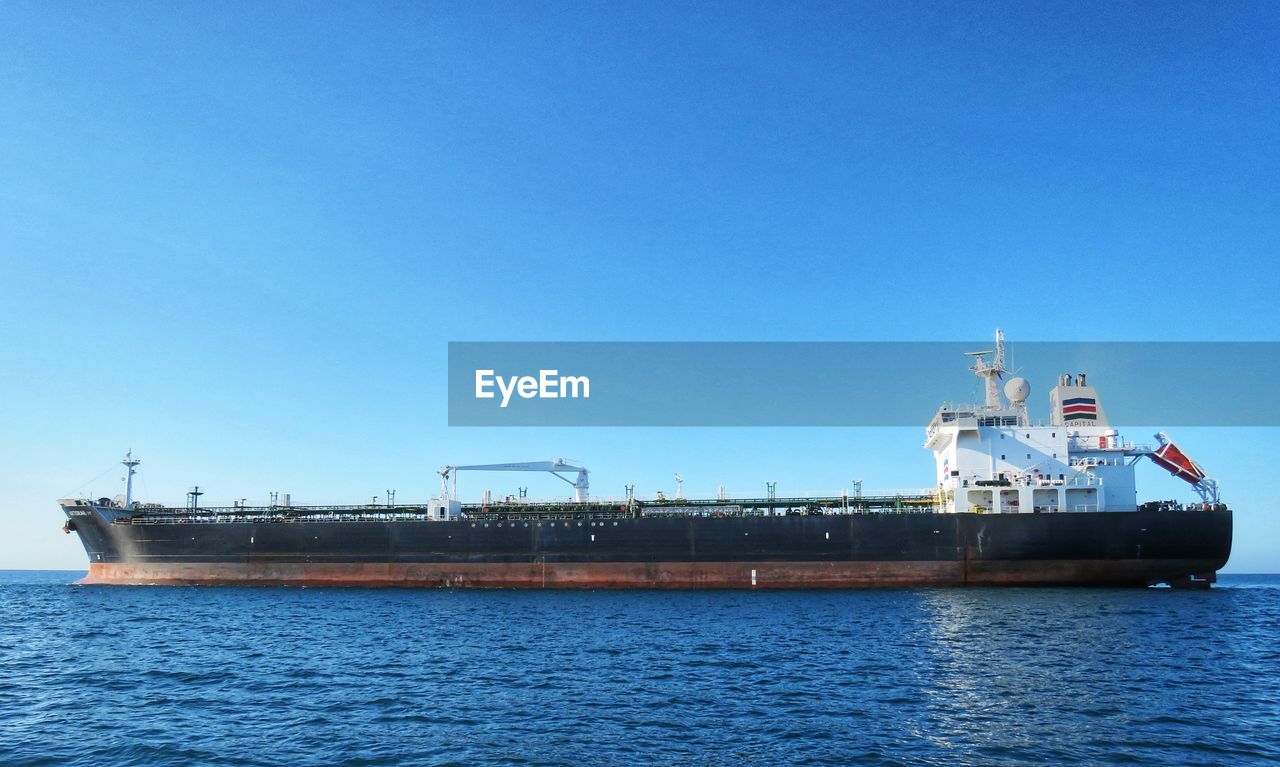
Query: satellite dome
{"type": "Point", "coordinates": [1017, 389]}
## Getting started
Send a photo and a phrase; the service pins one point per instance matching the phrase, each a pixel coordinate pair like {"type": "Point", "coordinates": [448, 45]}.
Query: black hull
{"type": "Point", "coordinates": [832, 551]}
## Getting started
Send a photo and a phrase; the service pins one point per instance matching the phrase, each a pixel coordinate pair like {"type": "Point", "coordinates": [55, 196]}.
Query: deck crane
{"type": "Point", "coordinates": [580, 486]}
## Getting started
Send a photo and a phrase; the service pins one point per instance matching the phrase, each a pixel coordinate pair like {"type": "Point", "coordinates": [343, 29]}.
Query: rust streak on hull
{"type": "Point", "coordinates": [651, 575]}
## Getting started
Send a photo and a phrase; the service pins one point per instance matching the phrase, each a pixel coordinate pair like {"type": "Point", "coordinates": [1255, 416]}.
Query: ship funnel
{"type": "Point", "coordinates": [1072, 403]}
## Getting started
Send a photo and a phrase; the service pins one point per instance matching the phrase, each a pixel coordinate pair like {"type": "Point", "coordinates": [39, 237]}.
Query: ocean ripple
{"type": "Point", "coordinates": [105, 676]}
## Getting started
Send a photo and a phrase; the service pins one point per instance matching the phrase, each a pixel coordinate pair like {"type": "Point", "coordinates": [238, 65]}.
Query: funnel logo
{"type": "Point", "coordinates": [1080, 409]}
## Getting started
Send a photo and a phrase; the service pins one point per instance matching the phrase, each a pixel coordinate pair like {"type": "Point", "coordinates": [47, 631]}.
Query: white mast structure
{"type": "Point", "coordinates": [130, 464]}
{"type": "Point", "coordinates": [990, 372]}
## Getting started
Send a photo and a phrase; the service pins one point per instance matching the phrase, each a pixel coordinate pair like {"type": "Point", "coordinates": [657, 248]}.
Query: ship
{"type": "Point", "coordinates": [1016, 502]}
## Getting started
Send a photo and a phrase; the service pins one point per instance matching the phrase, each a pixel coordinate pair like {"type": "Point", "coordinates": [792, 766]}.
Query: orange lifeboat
{"type": "Point", "coordinates": [1171, 458]}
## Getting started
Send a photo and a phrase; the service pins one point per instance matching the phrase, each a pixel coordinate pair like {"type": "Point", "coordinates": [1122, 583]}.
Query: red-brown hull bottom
{"type": "Point", "coordinates": [659, 575]}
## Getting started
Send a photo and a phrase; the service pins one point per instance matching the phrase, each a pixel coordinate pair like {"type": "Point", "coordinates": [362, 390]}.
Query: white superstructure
{"type": "Point", "coordinates": [992, 458]}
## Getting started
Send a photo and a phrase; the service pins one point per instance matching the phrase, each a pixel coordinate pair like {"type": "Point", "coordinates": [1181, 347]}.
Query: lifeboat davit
{"type": "Point", "coordinates": [1171, 458]}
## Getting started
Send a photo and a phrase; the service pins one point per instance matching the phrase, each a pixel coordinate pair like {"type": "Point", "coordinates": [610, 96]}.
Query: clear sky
{"type": "Point", "coordinates": [236, 237]}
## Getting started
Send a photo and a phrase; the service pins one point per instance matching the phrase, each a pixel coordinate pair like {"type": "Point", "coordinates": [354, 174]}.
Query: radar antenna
{"type": "Point", "coordinates": [992, 371]}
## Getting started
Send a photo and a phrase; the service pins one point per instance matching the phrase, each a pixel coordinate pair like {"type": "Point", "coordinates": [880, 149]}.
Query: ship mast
{"type": "Point", "coordinates": [129, 463]}
{"type": "Point", "coordinates": [990, 372]}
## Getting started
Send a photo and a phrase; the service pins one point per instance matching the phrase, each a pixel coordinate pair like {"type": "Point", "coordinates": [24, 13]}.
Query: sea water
{"type": "Point", "coordinates": [107, 675]}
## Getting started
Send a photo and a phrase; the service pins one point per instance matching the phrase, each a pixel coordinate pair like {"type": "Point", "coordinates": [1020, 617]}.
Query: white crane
{"type": "Point", "coordinates": [580, 486]}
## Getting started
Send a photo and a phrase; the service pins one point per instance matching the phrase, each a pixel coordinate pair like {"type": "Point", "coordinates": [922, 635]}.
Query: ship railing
{"type": "Point", "coordinates": [1107, 443]}
{"type": "Point", "coordinates": [1033, 481]}
{"type": "Point", "coordinates": [823, 497]}
{"type": "Point", "coordinates": [762, 507]}
{"type": "Point", "coordinates": [1079, 478]}
{"type": "Point", "coordinates": [517, 515]}
{"type": "Point", "coordinates": [1085, 479]}
{"type": "Point", "coordinates": [926, 508]}
{"type": "Point", "coordinates": [266, 515]}
{"type": "Point", "coordinates": [280, 509]}
{"type": "Point", "coordinates": [1173, 505]}
{"type": "Point", "coordinates": [970, 415]}
{"type": "Point", "coordinates": [877, 497]}
{"type": "Point", "coordinates": [883, 504]}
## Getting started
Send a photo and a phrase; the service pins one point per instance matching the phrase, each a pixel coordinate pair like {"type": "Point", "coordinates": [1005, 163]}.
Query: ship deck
{"type": "Point", "coordinates": [566, 509]}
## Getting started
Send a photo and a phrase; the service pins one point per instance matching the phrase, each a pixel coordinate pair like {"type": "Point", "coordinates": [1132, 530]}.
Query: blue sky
{"type": "Point", "coordinates": [237, 237]}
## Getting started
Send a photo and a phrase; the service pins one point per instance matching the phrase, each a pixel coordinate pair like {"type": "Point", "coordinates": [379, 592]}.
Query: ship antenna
{"type": "Point", "coordinates": [130, 464]}
{"type": "Point", "coordinates": [991, 371]}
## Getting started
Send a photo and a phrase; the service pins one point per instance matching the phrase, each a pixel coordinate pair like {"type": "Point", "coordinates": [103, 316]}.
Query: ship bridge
{"type": "Point", "coordinates": [990, 457]}
{"type": "Point", "coordinates": [966, 417]}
